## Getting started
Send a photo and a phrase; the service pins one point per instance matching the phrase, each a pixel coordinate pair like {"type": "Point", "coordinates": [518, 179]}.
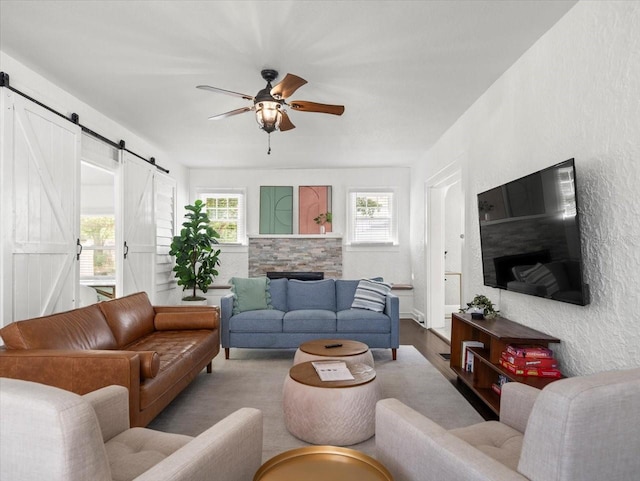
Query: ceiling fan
{"type": "Point", "coordinates": [270, 104]}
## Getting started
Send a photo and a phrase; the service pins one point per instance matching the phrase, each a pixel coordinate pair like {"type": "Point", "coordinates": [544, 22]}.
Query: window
{"type": "Point", "coordinates": [98, 257]}
{"type": "Point", "coordinates": [372, 217]}
{"type": "Point", "coordinates": [227, 214]}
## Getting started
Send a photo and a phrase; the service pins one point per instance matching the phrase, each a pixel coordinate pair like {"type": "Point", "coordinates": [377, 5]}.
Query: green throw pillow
{"type": "Point", "coordinates": [250, 294]}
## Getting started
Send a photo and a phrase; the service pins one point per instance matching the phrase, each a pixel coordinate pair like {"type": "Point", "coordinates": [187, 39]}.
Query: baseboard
{"type": "Point", "coordinates": [417, 316]}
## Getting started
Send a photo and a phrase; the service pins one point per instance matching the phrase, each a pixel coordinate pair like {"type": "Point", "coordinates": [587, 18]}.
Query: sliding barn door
{"type": "Point", "coordinates": [139, 241]}
{"type": "Point", "coordinates": [39, 166]}
{"type": "Point", "coordinates": [165, 209]}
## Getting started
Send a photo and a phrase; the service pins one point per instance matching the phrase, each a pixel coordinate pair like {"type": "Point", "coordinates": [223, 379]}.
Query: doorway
{"type": "Point", "coordinates": [445, 238]}
{"type": "Point", "coordinates": [99, 259]}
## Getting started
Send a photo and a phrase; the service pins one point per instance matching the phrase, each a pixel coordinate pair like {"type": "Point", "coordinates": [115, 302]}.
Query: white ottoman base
{"type": "Point", "coordinates": [336, 416]}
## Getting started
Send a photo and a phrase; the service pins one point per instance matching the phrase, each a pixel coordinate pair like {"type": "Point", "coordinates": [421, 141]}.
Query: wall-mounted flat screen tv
{"type": "Point", "coordinates": [530, 236]}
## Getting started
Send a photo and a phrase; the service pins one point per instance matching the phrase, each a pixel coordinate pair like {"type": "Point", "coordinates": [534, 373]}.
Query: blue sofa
{"type": "Point", "coordinates": [307, 310]}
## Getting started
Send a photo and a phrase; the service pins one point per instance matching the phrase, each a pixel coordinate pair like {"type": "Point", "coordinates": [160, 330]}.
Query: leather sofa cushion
{"type": "Point", "coordinates": [179, 351]}
{"type": "Point", "coordinates": [129, 317]}
{"type": "Point", "coordinates": [311, 295]}
{"type": "Point", "coordinates": [170, 321]}
{"type": "Point", "coordinates": [83, 328]}
{"type": "Point", "coordinates": [309, 320]}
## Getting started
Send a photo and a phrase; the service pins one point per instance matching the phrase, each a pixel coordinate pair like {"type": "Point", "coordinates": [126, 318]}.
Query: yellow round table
{"type": "Point", "coordinates": [322, 463]}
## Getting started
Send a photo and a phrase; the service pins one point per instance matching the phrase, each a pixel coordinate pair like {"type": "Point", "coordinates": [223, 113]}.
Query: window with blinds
{"type": "Point", "coordinates": [226, 211]}
{"type": "Point", "coordinates": [372, 217]}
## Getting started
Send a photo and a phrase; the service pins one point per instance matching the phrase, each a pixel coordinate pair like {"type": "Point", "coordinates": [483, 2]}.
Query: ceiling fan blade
{"type": "Point", "coordinates": [231, 113]}
{"type": "Point", "coordinates": [223, 91]}
{"type": "Point", "coordinates": [289, 84]}
{"type": "Point", "coordinates": [285, 123]}
{"type": "Point", "coordinates": [306, 106]}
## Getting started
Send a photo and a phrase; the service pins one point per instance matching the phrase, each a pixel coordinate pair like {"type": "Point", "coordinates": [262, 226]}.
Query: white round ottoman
{"type": "Point", "coordinates": [349, 351]}
{"type": "Point", "coordinates": [338, 413]}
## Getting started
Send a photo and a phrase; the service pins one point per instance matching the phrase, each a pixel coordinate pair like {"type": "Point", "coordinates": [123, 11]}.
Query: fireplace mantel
{"type": "Point", "coordinates": [329, 235]}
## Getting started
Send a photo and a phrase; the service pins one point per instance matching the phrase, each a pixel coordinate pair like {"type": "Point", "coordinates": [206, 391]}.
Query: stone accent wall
{"type": "Point", "coordinates": [318, 254]}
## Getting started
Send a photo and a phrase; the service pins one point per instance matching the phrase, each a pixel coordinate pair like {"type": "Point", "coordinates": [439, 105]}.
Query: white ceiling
{"type": "Point", "coordinates": [405, 70]}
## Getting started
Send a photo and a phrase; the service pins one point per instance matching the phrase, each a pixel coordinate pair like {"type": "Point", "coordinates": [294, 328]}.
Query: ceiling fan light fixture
{"type": "Point", "coordinates": [268, 115]}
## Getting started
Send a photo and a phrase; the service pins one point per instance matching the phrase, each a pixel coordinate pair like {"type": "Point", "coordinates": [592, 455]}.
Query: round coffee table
{"type": "Point", "coordinates": [350, 351]}
{"type": "Point", "coordinates": [330, 412]}
{"type": "Point", "coordinates": [322, 463]}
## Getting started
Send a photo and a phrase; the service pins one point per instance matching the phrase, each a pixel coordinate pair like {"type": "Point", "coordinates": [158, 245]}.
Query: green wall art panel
{"type": "Point", "coordinates": [276, 210]}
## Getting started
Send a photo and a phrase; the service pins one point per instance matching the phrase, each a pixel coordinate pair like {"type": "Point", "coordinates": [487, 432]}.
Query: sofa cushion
{"type": "Point", "coordinates": [250, 294]}
{"type": "Point", "coordinates": [362, 320]}
{"type": "Point", "coordinates": [278, 290]}
{"type": "Point", "coordinates": [345, 290]}
{"type": "Point", "coordinates": [311, 295]}
{"type": "Point", "coordinates": [371, 295]}
{"type": "Point", "coordinates": [179, 352]}
{"type": "Point", "coordinates": [137, 450]}
{"type": "Point", "coordinates": [172, 320]}
{"type": "Point", "coordinates": [309, 320]}
{"type": "Point", "coordinates": [268, 320]}
{"type": "Point", "coordinates": [84, 328]}
{"type": "Point", "coordinates": [129, 317]}
{"type": "Point", "coordinates": [494, 439]}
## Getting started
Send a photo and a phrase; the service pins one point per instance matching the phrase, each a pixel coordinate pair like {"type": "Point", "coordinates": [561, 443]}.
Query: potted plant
{"type": "Point", "coordinates": [322, 219]}
{"type": "Point", "coordinates": [196, 258]}
{"type": "Point", "coordinates": [480, 308]}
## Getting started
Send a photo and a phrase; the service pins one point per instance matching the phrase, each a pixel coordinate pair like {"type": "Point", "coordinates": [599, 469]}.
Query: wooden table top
{"type": "Point", "coordinates": [322, 463]}
{"type": "Point", "coordinates": [305, 373]}
{"type": "Point", "coordinates": [348, 348]}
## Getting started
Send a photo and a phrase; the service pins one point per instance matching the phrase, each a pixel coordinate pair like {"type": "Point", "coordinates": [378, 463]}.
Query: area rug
{"type": "Point", "coordinates": [254, 378]}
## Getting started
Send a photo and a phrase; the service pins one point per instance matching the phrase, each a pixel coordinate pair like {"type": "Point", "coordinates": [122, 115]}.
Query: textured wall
{"type": "Point", "coordinates": [575, 93]}
{"type": "Point", "coordinates": [322, 254]}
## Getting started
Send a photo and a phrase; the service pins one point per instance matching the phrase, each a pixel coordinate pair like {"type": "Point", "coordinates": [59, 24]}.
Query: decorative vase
{"type": "Point", "coordinates": [323, 230]}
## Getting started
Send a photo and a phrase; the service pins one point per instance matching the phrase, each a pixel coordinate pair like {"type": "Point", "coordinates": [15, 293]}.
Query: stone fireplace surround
{"type": "Point", "coordinates": [317, 253]}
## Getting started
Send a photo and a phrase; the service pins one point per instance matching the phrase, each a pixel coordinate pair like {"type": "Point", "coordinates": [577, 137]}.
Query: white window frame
{"type": "Point", "coordinates": [391, 238]}
{"type": "Point", "coordinates": [241, 194]}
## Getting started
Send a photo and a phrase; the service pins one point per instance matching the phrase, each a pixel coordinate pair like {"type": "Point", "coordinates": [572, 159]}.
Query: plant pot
{"type": "Point", "coordinates": [196, 301]}
{"type": "Point", "coordinates": [323, 229]}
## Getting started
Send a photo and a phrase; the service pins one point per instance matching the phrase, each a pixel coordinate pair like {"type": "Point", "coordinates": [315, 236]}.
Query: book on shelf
{"type": "Point", "coordinates": [466, 362]}
{"type": "Point", "coordinates": [496, 388]}
{"type": "Point", "coordinates": [544, 362]}
{"type": "Point", "coordinates": [332, 370]}
{"type": "Point", "coordinates": [529, 350]}
{"type": "Point", "coordinates": [530, 371]}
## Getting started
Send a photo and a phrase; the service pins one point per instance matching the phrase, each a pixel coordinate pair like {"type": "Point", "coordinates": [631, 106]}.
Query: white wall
{"type": "Point", "coordinates": [393, 263]}
{"type": "Point", "coordinates": [575, 93]}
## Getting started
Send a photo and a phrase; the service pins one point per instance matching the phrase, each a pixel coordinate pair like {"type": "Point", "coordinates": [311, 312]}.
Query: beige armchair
{"type": "Point", "coordinates": [48, 433]}
{"type": "Point", "coordinates": [576, 429]}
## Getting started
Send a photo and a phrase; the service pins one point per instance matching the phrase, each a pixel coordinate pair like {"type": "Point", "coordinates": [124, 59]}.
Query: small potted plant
{"type": "Point", "coordinates": [196, 258]}
{"type": "Point", "coordinates": [480, 308]}
{"type": "Point", "coordinates": [322, 219]}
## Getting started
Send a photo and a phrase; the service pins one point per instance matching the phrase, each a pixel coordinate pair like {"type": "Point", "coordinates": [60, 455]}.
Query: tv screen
{"type": "Point", "coordinates": [530, 236]}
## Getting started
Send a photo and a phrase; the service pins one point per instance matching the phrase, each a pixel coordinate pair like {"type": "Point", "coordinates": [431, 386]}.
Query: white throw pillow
{"type": "Point", "coordinates": [371, 295]}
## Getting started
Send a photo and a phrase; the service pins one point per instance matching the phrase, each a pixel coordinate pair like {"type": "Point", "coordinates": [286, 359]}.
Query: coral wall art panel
{"type": "Point", "coordinates": [313, 202]}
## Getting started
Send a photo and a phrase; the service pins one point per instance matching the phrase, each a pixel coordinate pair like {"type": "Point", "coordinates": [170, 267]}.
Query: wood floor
{"type": "Point", "coordinates": [437, 349]}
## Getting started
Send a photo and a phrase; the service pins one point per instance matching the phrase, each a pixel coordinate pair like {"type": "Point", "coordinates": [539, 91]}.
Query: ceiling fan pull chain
{"type": "Point", "coordinates": [269, 141]}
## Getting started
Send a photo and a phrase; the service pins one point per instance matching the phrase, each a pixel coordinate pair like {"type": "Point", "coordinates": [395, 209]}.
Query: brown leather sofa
{"type": "Point", "coordinates": [153, 351]}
